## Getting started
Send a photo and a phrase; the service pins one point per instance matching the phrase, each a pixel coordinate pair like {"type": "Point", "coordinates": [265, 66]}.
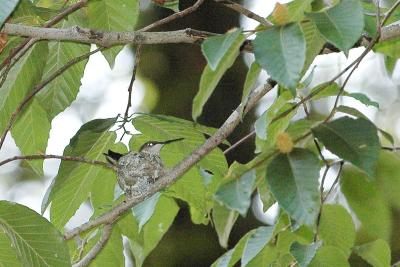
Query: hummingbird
{"type": "Point", "coordinates": [136, 171]}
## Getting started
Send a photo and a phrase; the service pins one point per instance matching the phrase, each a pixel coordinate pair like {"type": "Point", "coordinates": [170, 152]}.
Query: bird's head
{"type": "Point", "coordinates": [154, 147]}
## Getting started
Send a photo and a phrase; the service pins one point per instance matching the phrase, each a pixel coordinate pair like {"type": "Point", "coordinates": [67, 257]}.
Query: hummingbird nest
{"type": "Point", "coordinates": [137, 171]}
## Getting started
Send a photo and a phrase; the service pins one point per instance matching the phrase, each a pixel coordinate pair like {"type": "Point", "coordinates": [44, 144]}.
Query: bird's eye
{"type": "Point", "coordinates": [151, 144]}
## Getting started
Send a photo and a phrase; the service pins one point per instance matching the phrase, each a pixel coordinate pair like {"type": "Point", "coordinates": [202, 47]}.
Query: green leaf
{"type": "Point", "coordinates": [351, 111]}
{"type": "Point", "coordinates": [236, 194]}
{"type": "Point", "coordinates": [329, 256]}
{"type": "Point", "coordinates": [336, 228]}
{"type": "Point", "coordinates": [354, 140]}
{"type": "Point", "coordinates": [387, 136]}
{"type": "Point", "coordinates": [7, 8]}
{"type": "Point", "coordinates": [267, 256]}
{"type": "Point", "coordinates": [214, 48]}
{"type": "Point", "coordinates": [113, 15]}
{"type": "Point", "coordinates": [281, 52]}
{"type": "Point", "coordinates": [299, 128]}
{"type": "Point", "coordinates": [297, 8]}
{"type": "Point", "coordinates": [256, 242]}
{"type": "Point", "coordinates": [267, 128]}
{"type": "Point", "coordinates": [62, 91]}
{"type": "Point", "coordinates": [304, 253]}
{"type": "Point", "coordinates": [154, 229]}
{"type": "Point", "coordinates": [21, 79]}
{"type": "Point", "coordinates": [290, 12]}
{"type": "Point", "coordinates": [333, 89]}
{"type": "Point", "coordinates": [265, 195]}
{"type": "Point", "coordinates": [367, 202]}
{"type": "Point", "coordinates": [263, 127]}
{"type": "Point", "coordinates": [376, 253]}
{"type": "Point", "coordinates": [229, 258]}
{"type": "Point", "coordinates": [251, 79]}
{"type": "Point", "coordinates": [35, 240]}
{"type": "Point", "coordinates": [210, 78]}
{"type": "Point", "coordinates": [31, 132]}
{"type": "Point", "coordinates": [389, 48]}
{"type": "Point", "coordinates": [12, 42]}
{"type": "Point", "coordinates": [8, 256]}
{"type": "Point", "coordinates": [74, 180]}
{"type": "Point", "coordinates": [341, 25]}
{"type": "Point", "coordinates": [144, 210]}
{"type": "Point", "coordinates": [390, 64]}
{"type": "Point", "coordinates": [363, 99]}
{"type": "Point", "coordinates": [314, 43]}
{"type": "Point", "coordinates": [293, 180]}
{"type": "Point", "coordinates": [324, 90]}
{"type": "Point", "coordinates": [27, 13]}
{"type": "Point", "coordinates": [223, 219]}
{"type": "Point", "coordinates": [388, 177]}
{"type": "Point", "coordinates": [128, 226]}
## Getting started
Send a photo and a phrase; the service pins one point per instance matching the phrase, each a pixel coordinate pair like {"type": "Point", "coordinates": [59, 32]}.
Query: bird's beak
{"type": "Point", "coordinates": [173, 140]}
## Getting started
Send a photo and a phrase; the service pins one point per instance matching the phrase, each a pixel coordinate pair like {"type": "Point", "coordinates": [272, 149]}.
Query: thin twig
{"type": "Point", "coordinates": [341, 163]}
{"type": "Point", "coordinates": [65, 158]}
{"type": "Point", "coordinates": [183, 166]}
{"type": "Point", "coordinates": [174, 16]}
{"type": "Point", "coordinates": [39, 87]}
{"type": "Point", "coordinates": [321, 192]}
{"type": "Point", "coordinates": [394, 149]}
{"type": "Point", "coordinates": [238, 143]}
{"type": "Point", "coordinates": [135, 66]}
{"type": "Point", "coordinates": [320, 152]}
{"type": "Point", "coordinates": [91, 255]}
{"type": "Point", "coordinates": [240, 9]}
{"type": "Point", "coordinates": [126, 117]}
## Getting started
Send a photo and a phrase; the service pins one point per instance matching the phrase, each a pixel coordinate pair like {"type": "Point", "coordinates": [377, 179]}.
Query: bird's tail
{"type": "Point", "coordinates": [112, 157]}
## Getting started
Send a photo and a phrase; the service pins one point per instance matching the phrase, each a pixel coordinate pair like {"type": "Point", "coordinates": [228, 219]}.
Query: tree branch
{"type": "Point", "coordinates": [106, 39]}
{"type": "Point", "coordinates": [102, 38]}
{"type": "Point", "coordinates": [66, 158]}
{"type": "Point", "coordinates": [91, 255]}
{"type": "Point", "coordinates": [173, 175]}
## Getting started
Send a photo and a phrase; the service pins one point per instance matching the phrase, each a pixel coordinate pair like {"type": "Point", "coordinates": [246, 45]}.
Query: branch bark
{"type": "Point", "coordinates": [106, 39]}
